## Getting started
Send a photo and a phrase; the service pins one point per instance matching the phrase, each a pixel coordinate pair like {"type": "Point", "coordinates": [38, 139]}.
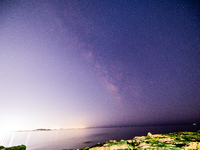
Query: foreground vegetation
{"type": "Point", "coordinates": [20, 147]}
{"type": "Point", "coordinates": [172, 141]}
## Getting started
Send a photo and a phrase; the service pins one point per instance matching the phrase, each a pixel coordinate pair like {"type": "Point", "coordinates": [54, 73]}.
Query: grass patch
{"type": "Point", "coordinates": [161, 144]}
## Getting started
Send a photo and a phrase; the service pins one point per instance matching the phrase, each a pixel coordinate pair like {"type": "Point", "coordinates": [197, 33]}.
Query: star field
{"type": "Point", "coordinates": [99, 63]}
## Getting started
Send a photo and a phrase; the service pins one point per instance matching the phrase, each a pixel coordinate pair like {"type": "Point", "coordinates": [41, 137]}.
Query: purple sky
{"type": "Point", "coordinates": [80, 63]}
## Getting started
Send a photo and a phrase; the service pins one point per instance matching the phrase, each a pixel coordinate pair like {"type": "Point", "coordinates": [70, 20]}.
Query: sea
{"type": "Point", "coordinates": [80, 138]}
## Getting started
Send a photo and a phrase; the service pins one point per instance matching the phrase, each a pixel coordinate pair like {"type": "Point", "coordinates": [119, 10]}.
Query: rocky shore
{"type": "Point", "coordinates": [172, 141]}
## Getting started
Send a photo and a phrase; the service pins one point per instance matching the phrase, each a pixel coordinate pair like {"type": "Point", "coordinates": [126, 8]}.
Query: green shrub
{"type": "Point", "coordinates": [20, 147]}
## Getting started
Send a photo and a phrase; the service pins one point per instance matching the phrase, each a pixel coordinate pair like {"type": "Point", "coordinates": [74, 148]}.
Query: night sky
{"type": "Point", "coordinates": [94, 63]}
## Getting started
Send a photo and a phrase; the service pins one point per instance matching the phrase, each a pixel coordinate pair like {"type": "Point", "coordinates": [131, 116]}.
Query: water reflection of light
{"type": "Point", "coordinates": [27, 139]}
{"type": "Point", "coordinates": [2, 137]}
{"type": "Point", "coordinates": [11, 139]}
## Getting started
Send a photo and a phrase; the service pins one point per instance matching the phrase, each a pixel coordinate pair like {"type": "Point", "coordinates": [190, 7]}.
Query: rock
{"type": "Point", "coordinates": [156, 142]}
{"type": "Point", "coordinates": [165, 140]}
{"type": "Point", "coordinates": [144, 145]}
{"type": "Point", "coordinates": [158, 136]}
{"type": "Point", "coordinates": [149, 134]}
{"type": "Point", "coordinates": [130, 141]}
{"type": "Point", "coordinates": [198, 146]}
{"type": "Point", "coordinates": [192, 145]}
{"type": "Point", "coordinates": [122, 146]}
{"type": "Point", "coordinates": [112, 141]}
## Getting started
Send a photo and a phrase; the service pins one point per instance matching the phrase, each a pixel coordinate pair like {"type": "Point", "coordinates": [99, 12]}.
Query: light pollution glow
{"type": "Point", "coordinates": [121, 63]}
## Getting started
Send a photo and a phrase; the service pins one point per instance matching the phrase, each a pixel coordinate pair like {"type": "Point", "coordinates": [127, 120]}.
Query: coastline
{"type": "Point", "coordinates": [175, 141]}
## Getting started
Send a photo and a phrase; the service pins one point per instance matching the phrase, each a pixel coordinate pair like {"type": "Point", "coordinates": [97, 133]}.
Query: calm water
{"type": "Point", "coordinates": [80, 138]}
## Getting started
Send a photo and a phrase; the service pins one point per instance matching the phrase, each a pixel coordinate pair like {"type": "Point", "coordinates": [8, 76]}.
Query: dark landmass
{"type": "Point", "coordinates": [42, 130]}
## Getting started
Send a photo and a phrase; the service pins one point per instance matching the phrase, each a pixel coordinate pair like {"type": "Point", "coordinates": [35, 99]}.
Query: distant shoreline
{"type": "Point", "coordinates": [43, 129]}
